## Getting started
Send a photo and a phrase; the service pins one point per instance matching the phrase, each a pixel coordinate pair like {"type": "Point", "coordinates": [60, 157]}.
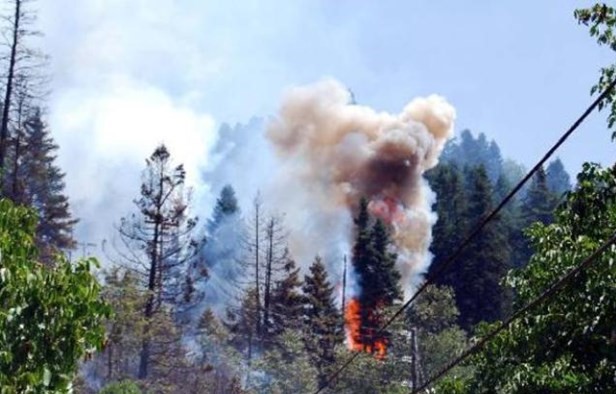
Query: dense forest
{"type": "Point", "coordinates": [184, 301]}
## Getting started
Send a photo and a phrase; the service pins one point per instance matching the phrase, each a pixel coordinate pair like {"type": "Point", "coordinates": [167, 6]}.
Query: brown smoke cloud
{"type": "Point", "coordinates": [333, 153]}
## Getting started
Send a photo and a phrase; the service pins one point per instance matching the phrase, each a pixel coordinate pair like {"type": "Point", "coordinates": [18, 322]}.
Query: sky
{"type": "Point", "coordinates": [130, 74]}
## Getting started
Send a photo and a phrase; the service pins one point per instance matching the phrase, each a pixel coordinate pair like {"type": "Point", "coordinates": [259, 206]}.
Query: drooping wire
{"type": "Point", "coordinates": [550, 292]}
{"type": "Point", "coordinates": [478, 228]}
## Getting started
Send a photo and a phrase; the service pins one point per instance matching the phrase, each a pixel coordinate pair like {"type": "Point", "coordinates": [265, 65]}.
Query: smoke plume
{"type": "Point", "coordinates": [334, 152]}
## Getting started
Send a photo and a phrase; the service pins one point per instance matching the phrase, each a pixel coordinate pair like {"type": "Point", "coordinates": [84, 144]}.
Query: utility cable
{"type": "Point", "coordinates": [551, 291]}
{"type": "Point", "coordinates": [479, 227]}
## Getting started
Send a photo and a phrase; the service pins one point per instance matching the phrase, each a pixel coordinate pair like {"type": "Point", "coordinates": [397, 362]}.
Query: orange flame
{"type": "Point", "coordinates": [362, 340]}
{"type": "Point", "coordinates": [353, 324]}
{"type": "Point", "coordinates": [387, 209]}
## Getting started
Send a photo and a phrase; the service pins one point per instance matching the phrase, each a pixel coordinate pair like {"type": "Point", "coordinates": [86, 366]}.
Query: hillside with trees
{"type": "Point", "coordinates": [218, 298]}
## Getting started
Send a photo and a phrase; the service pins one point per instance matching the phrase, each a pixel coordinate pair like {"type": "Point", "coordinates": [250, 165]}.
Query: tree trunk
{"type": "Point", "coordinates": [257, 252]}
{"type": "Point", "coordinates": [344, 275]}
{"type": "Point", "coordinates": [15, 195]}
{"type": "Point", "coordinates": [15, 192]}
{"type": "Point", "coordinates": [267, 296]}
{"type": "Point", "coordinates": [4, 126]}
{"type": "Point", "coordinates": [110, 362]}
{"type": "Point", "coordinates": [152, 279]}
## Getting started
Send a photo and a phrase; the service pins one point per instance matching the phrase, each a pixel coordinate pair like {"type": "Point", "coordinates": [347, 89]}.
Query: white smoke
{"type": "Point", "coordinates": [105, 139]}
{"type": "Point", "coordinates": [333, 153]}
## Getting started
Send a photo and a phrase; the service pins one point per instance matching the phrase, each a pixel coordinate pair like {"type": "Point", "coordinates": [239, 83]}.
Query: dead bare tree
{"type": "Point", "coordinates": [25, 85]}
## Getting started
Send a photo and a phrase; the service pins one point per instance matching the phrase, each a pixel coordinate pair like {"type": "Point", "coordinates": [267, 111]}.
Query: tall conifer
{"type": "Point", "coordinates": [537, 206]}
{"type": "Point", "coordinates": [377, 276]}
{"type": "Point", "coordinates": [321, 319]}
{"type": "Point", "coordinates": [479, 294]}
{"type": "Point", "coordinates": [42, 188]}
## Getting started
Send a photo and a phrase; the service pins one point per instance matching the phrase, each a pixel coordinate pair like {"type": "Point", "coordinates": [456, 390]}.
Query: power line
{"type": "Point", "coordinates": [542, 297]}
{"type": "Point", "coordinates": [479, 227]}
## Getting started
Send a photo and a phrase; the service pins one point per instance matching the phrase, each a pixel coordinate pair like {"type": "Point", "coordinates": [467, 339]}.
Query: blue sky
{"type": "Point", "coordinates": [519, 71]}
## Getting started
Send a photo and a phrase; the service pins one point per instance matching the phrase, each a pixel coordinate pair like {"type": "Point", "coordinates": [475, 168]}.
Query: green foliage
{"type": "Point", "coordinates": [435, 310]}
{"type": "Point", "coordinates": [37, 182]}
{"type": "Point", "coordinates": [365, 375]}
{"type": "Point", "coordinates": [601, 19]}
{"type": "Point", "coordinates": [50, 317]}
{"type": "Point", "coordinates": [216, 274]}
{"type": "Point", "coordinates": [123, 387]}
{"type": "Point", "coordinates": [384, 283]}
{"type": "Point", "coordinates": [537, 206]}
{"type": "Point", "coordinates": [565, 345]}
{"type": "Point", "coordinates": [437, 350]}
{"type": "Point", "coordinates": [214, 338]}
{"type": "Point", "coordinates": [368, 375]}
{"type": "Point", "coordinates": [242, 322]}
{"type": "Point", "coordinates": [539, 202]}
{"type": "Point", "coordinates": [451, 205]}
{"type": "Point", "coordinates": [377, 275]}
{"type": "Point", "coordinates": [557, 178]}
{"type": "Point", "coordinates": [170, 370]}
{"type": "Point", "coordinates": [471, 151]}
{"type": "Point", "coordinates": [464, 197]}
{"type": "Point", "coordinates": [124, 328]}
{"type": "Point", "coordinates": [322, 322]}
{"type": "Point", "coordinates": [226, 205]}
{"type": "Point", "coordinates": [434, 315]}
{"type": "Point", "coordinates": [478, 272]}
{"type": "Point", "coordinates": [157, 245]}
{"type": "Point", "coordinates": [286, 299]}
{"type": "Point", "coordinates": [287, 367]}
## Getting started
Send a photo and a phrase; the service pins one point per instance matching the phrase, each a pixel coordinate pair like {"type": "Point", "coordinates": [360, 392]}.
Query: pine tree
{"type": "Point", "coordinates": [42, 187]}
{"type": "Point", "coordinates": [361, 248]}
{"type": "Point", "coordinates": [537, 206]}
{"type": "Point", "coordinates": [377, 277]}
{"type": "Point", "coordinates": [226, 205]}
{"type": "Point", "coordinates": [509, 218]}
{"type": "Point", "coordinates": [286, 301]}
{"type": "Point", "coordinates": [361, 264]}
{"type": "Point", "coordinates": [470, 151]}
{"type": "Point", "coordinates": [320, 319]}
{"type": "Point", "coordinates": [558, 179]}
{"type": "Point", "coordinates": [218, 358]}
{"type": "Point", "coordinates": [494, 161]}
{"type": "Point", "coordinates": [242, 324]}
{"type": "Point", "coordinates": [158, 244]}
{"type": "Point", "coordinates": [385, 278]}
{"type": "Point", "coordinates": [479, 294]}
{"type": "Point", "coordinates": [287, 367]}
{"type": "Point", "coordinates": [451, 204]}
{"type": "Point", "coordinates": [218, 274]}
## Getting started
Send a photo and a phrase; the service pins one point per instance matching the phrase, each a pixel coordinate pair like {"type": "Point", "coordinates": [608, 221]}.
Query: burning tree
{"type": "Point", "coordinates": [333, 152]}
{"type": "Point", "coordinates": [378, 279]}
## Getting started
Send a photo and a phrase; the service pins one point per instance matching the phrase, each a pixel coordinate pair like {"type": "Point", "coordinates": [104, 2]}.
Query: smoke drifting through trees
{"type": "Point", "coordinates": [333, 153]}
